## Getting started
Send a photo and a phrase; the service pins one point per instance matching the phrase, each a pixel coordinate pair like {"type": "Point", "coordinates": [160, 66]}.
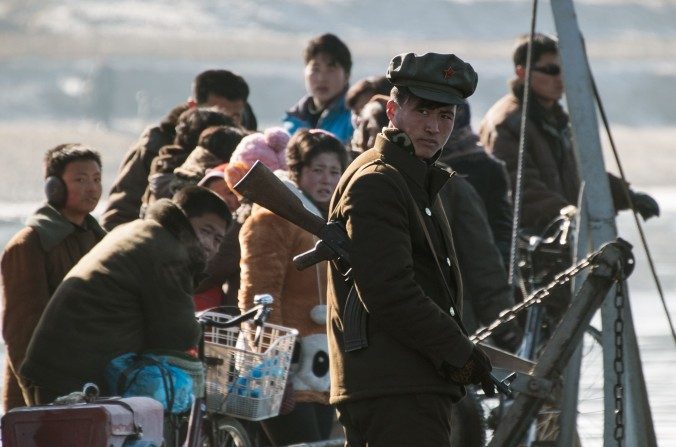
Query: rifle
{"type": "Point", "coordinates": [262, 187]}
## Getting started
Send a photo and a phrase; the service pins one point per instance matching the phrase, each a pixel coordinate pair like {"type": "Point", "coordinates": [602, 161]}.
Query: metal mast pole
{"type": "Point", "coordinates": [601, 214]}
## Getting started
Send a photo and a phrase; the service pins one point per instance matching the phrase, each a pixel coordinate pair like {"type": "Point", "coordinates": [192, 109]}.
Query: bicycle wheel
{"type": "Point", "coordinates": [590, 398]}
{"type": "Point", "coordinates": [590, 401]}
{"type": "Point", "coordinates": [228, 432]}
{"type": "Point", "coordinates": [590, 409]}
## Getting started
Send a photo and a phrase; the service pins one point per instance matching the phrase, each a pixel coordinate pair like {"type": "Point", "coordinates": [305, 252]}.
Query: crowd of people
{"type": "Point", "coordinates": [425, 201]}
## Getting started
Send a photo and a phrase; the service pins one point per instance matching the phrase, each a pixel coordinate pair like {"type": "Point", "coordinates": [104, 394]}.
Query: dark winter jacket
{"type": "Point", "coordinates": [34, 262]}
{"type": "Point", "coordinates": [486, 291]}
{"type": "Point", "coordinates": [124, 199]}
{"type": "Point", "coordinates": [161, 176]}
{"type": "Point", "coordinates": [550, 174]}
{"type": "Point", "coordinates": [413, 340]}
{"type": "Point", "coordinates": [488, 175]}
{"type": "Point", "coordinates": [131, 293]}
{"type": "Point", "coordinates": [223, 268]}
{"type": "Point", "coordinates": [336, 118]}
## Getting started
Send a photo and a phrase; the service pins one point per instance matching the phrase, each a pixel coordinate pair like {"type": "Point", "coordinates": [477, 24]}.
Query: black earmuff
{"type": "Point", "coordinates": [56, 192]}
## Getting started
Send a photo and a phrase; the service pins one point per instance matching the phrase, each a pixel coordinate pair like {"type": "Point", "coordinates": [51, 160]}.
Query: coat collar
{"type": "Point", "coordinates": [171, 218]}
{"type": "Point", "coordinates": [429, 178]}
{"type": "Point", "coordinates": [52, 227]}
{"type": "Point", "coordinates": [555, 116]}
{"type": "Point", "coordinates": [304, 109]}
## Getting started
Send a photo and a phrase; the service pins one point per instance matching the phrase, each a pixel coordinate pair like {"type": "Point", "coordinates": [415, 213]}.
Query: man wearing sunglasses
{"type": "Point", "coordinates": [550, 177]}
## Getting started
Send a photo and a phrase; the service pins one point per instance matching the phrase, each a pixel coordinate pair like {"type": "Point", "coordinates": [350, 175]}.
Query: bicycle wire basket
{"type": "Point", "coordinates": [243, 379]}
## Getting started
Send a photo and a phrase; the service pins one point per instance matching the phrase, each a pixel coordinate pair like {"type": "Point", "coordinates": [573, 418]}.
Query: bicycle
{"type": "Point", "coordinates": [231, 353]}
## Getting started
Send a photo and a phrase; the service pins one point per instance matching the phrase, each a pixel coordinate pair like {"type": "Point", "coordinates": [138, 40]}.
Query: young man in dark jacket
{"type": "Point", "coordinates": [327, 73]}
{"type": "Point", "coordinates": [222, 90]}
{"type": "Point", "coordinates": [395, 378]}
{"type": "Point", "coordinates": [487, 174]}
{"type": "Point", "coordinates": [550, 176]}
{"type": "Point", "coordinates": [131, 293]}
{"type": "Point", "coordinates": [38, 257]}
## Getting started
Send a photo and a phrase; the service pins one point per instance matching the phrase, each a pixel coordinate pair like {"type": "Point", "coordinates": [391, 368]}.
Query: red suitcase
{"type": "Point", "coordinates": [133, 421]}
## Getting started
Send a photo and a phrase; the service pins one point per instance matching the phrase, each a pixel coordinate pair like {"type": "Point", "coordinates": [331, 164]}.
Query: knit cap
{"type": "Point", "coordinates": [269, 147]}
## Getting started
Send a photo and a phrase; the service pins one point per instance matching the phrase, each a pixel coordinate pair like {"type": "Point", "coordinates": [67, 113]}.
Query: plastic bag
{"type": "Point", "coordinates": [152, 376]}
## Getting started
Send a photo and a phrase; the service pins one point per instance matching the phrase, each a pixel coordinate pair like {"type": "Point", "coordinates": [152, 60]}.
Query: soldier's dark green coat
{"type": "Point", "coordinates": [413, 339]}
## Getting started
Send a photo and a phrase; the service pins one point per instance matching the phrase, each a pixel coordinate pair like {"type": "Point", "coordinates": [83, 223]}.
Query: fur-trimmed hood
{"type": "Point", "coordinates": [172, 218]}
{"type": "Point", "coordinates": [197, 163]}
{"type": "Point", "coordinates": [52, 227]}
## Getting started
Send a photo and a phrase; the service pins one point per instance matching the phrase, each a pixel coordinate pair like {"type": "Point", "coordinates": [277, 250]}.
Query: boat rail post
{"type": "Point", "coordinates": [639, 429]}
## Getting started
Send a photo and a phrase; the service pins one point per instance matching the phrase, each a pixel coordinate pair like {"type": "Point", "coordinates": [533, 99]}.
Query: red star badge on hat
{"type": "Point", "coordinates": [448, 72]}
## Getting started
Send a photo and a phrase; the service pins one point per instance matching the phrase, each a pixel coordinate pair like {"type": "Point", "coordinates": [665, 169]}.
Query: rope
{"type": "Point", "coordinates": [518, 188]}
{"type": "Point", "coordinates": [625, 189]}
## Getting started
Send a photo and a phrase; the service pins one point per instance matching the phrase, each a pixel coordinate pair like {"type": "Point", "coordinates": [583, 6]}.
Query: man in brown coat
{"type": "Point", "coordinates": [130, 293]}
{"type": "Point", "coordinates": [394, 379]}
{"type": "Point", "coordinates": [220, 89]}
{"type": "Point", "coordinates": [39, 256]}
{"type": "Point", "coordinates": [550, 175]}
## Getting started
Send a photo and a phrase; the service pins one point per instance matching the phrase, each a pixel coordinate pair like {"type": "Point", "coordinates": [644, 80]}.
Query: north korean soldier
{"type": "Point", "coordinates": [399, 354]}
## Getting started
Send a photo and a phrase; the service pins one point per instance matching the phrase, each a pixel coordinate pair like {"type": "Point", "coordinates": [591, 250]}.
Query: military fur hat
{"type": "Point", "coordinates": [443, 78]}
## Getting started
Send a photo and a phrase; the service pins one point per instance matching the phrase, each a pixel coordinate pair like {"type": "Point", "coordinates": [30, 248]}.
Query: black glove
{"type": "Point", "coordinates": [508, 336]}
{"type": "Point", "coordinates": [645, 205]}
{"type": "Point", "coordinates": [475, 371]}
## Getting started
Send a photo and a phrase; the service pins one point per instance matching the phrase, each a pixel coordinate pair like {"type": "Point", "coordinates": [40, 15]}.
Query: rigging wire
{"type": "Point", "coordinates": [625, 189]}
{"type": "Point", "coordinates": [518, 187]}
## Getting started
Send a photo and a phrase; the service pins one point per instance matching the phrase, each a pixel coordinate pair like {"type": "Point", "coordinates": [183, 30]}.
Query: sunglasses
{"type": "Point", "coordinates": [549, 69]}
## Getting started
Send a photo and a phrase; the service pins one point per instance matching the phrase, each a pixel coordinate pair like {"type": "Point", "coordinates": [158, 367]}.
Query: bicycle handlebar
{"type": "Point", "coordinates": [258, 314]}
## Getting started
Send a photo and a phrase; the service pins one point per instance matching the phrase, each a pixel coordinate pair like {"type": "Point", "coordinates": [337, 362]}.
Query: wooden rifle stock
{"type": "Point", "coordinates": [261, 186]}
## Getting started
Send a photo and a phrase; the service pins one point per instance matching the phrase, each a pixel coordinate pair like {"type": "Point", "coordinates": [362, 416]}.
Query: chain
{"type": "Point", "coordinates": [618, 363]}
{"type": "Point", "coordinates": [536, 297]}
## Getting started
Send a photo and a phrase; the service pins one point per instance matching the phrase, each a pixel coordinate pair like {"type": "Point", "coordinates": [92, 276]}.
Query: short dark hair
{"type": "Point", "coordinates": [306, 144]}
{"type": "Point", "coordinates": [168, 123]}
{"type": "Point", "coordinates": [374, 85]}
{"type": "Point", "coordinates": [542, 44]}
{"type": "Point", "coordinates": [221, 140]}
{"type": "Point", "coordinates": [196, 201]}
{"type": "Point", "coordinates": [192, 123]}
{"type": "Point", "coordinates": [220, 83]}
{"type": "Point", "coordinates": [332, 46]}
{"type": "Point", "coordinates": [57, 158]}
{"type": "Point", "coordinates": [401, 95]}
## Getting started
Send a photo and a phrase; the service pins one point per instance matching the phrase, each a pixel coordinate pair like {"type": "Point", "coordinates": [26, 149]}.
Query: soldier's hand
{"type": "Point", "coordinates": [475, 371]}
{"type": "Point", "coordinates": [645, 205]}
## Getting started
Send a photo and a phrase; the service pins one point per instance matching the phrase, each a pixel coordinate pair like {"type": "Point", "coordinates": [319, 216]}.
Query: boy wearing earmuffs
{"type": "Point", "coordinates": [37, 258]}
